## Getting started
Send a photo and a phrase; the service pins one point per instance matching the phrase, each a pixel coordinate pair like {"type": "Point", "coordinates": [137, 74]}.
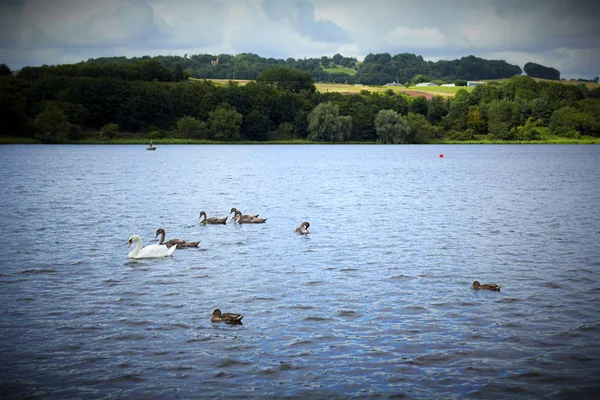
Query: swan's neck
{"type": "Point", "coordinates": [138, 244]}
{"type": "Point", "coordinates": [203, 215]}
{"type": "Point", "coordinates": [161, 239]}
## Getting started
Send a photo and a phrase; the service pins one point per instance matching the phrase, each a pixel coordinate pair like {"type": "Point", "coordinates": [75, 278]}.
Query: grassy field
{"type": "Point", "coordinates": [426, 91]}
{"type": "Point", "coordinates": [413, 90]}
{"type": "Point", "coordinates": [590, 85]}
{"type": "Point", "coordinates": [340, 70]}
{"type": "Point", "coordinates": [354, 89]}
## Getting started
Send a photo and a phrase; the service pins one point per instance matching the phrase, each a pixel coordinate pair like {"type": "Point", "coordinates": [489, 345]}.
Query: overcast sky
{"type": "Point", "coordinates": [564, 34]}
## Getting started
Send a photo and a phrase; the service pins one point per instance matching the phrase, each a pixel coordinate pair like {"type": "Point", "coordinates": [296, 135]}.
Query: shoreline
{"type": "Point", "coordinates": [164, 142]}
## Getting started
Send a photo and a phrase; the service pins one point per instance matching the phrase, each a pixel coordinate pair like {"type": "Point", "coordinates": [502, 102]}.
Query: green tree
{"type": "Point", "coordinates": [285, 131]}
{"type": "Point", "coordinates": [51, 125]}
{"type": "Point", "coordinates": [418, 105]}
{"type": "Point", "coordinates": [391, 127]}
{"type": "Point", "coordinates": [437, 109]}
{"type": "Point", "coordinates": [476, 121]}
{"type": "Point", "coordinates": [225, 123]}
{"type": "Point", "coordinates": [541, 109]}
{"type": "Point", "coordinates": [190, 127]}
{"type": "Point", "coordinates": [14, 94]}
{"type": "Point", "coordinates": [418, 78]}
{"type": "Point", "coordinates": [289, 79]}
{"type": "Point", "coordinates": [570, 122]}
{"type": "Point", "coordinates": [256, 125]}
{"type": "Point", "coordinates": [326, 125]}
{"type": "Point", "coordinates": [178, 74]}
{"type": "Point", "coordinates": [458, 110]}
{"type": "Point", "coordinates": [419, 129]}
{"type": "Point", "coordinates": [540, 71]}
{"type": "Point", "coordinates": [532, 130]}
{"type": "Point", "coordinates": [503, 118]}
{"type": "Point", "coordinates": [109, 131]}
{"type": "Point", "coordinates": [5, 70]}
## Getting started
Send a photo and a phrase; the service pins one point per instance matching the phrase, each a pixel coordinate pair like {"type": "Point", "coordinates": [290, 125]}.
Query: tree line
{"type": "Point", "coordinates": [282, 104]}
{"type": "Point", "coordinates": [376, 69]}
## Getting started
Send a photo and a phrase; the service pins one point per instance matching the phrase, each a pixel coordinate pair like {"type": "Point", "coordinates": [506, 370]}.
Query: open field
{"type": "Point", "coordinates": [427, 91]}
{"type": "Point", "coordinates": [590, 85]}
{"type": "Point", "coordinates": [414, 91]}
{"type": "Point", "coordinates": [340, 70]}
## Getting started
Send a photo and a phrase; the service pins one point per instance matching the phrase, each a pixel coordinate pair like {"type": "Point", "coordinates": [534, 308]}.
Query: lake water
{"type": "Point", "coordinates": [374, 302]}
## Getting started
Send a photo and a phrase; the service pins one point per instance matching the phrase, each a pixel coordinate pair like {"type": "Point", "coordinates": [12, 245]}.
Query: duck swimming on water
{"type": "Point", "coordinates": [248, 219]}
{"type": "Point", "coordinates": [487, 286]}
{"type": "Point", "coordinates": [237, 217]}
{"type": "Point", "coordinates": [212, 220]}
{"type": "Point", "coordinates": [181, 244]}
{"type": "Point", "coordinates": [228, 318]}
{"type": "Point", "coordinates": [303, 228]}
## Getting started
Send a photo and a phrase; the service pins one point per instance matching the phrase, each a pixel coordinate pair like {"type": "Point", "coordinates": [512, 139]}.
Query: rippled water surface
{"type": "Point", "coordinates": [374, 302]}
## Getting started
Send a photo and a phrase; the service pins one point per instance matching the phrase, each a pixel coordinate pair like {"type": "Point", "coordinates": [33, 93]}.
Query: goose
{"type": "Point", "coordinates": [179, 242]}
{"type": "Point", "coordinates": [303, 228]}
{"type": "Point", "coordinates": [150, 251]}
{"type": "Point", "coordinates": [212, 220]}
{"type": "Point", "coordinates": [488, 286]}
{"type": "Point", "coordinates": [236, 217]}
{"type": "Point", "coordinates": [250, 220]}
{"type": "Point", "coordinates": [228, 318]}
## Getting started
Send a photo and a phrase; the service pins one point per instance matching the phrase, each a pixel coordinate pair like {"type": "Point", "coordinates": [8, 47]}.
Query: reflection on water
{"type": "Point", "coordinates": [375, 301]}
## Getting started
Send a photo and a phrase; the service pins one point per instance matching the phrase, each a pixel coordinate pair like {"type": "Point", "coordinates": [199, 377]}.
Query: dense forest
{"type": "Point", "coordinates": [376, 69]}
{"type": "Point", "coordinates": [146, 99]}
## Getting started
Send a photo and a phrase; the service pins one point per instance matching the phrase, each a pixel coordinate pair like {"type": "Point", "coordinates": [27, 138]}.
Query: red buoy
{"type": "Point", "coordinates": [441, 156]}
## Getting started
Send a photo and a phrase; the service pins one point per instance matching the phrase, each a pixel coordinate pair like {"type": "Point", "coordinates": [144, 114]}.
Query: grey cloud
{"type": "Point", "coordinates": [301, 14]}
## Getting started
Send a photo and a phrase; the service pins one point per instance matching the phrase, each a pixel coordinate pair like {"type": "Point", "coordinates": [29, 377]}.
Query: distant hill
{"type": "Point", "coordinates": [376, 69]}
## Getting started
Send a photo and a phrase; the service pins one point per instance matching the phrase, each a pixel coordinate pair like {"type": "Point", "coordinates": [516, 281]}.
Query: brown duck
{"type": "Point", "coordinates": [212, 220]}
{"type": "Point", "coordinates": [487, 286]}
{"type": "Point", "coordinates": [228, 318]}
{"type": "Point", "coordinates": [181, 244]}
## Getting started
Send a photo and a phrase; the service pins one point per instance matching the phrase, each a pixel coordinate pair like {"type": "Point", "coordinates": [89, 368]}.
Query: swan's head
{"type": "Point", "coordinates": [159, 231]}
{"type": "Point", "coordinates": [216, 313]}
{"type": "Point", "coordinates": [132, 239]}
{"type": "Point", "coordinates": [202, 213]}
{"type": "Point", "coordinates": [233, 210]}
{"type": "Point", "coordinates": [306, 224]}
{"type": "Point", "coordinates": [476, 284]}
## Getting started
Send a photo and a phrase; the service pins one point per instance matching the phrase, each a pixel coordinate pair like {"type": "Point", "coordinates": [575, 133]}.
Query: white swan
{"type": "Point", "coordinates": [150, 251]}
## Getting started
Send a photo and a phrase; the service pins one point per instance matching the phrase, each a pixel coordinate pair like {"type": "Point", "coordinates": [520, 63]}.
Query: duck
{"type": "Point", "coordinates": [150, 251]}
{"type": "Point", "coordinates": [212, 220]}
{"type": "Point", "coordinates": [228, 318]}
{"type": "Point", "coordinates": [303, 228]}
{"type": "Point", "coordinates": [249, 220]}
{"type": "Point", "coordinates": [181, 244]}
{"type": "Point", "coordinates": [236, 217]}
{"type": "Point", "coordinates": [488, 286]}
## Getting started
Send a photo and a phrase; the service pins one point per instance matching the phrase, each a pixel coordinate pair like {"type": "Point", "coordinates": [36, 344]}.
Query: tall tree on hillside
{"type": "Point", "coordinates": [540, 71]}
{"type": "Point", "coordinates": [178, 75]}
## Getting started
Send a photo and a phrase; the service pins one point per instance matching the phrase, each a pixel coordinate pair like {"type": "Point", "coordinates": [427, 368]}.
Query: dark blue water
{"type": "Point", "coordinates": [374, 302]}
